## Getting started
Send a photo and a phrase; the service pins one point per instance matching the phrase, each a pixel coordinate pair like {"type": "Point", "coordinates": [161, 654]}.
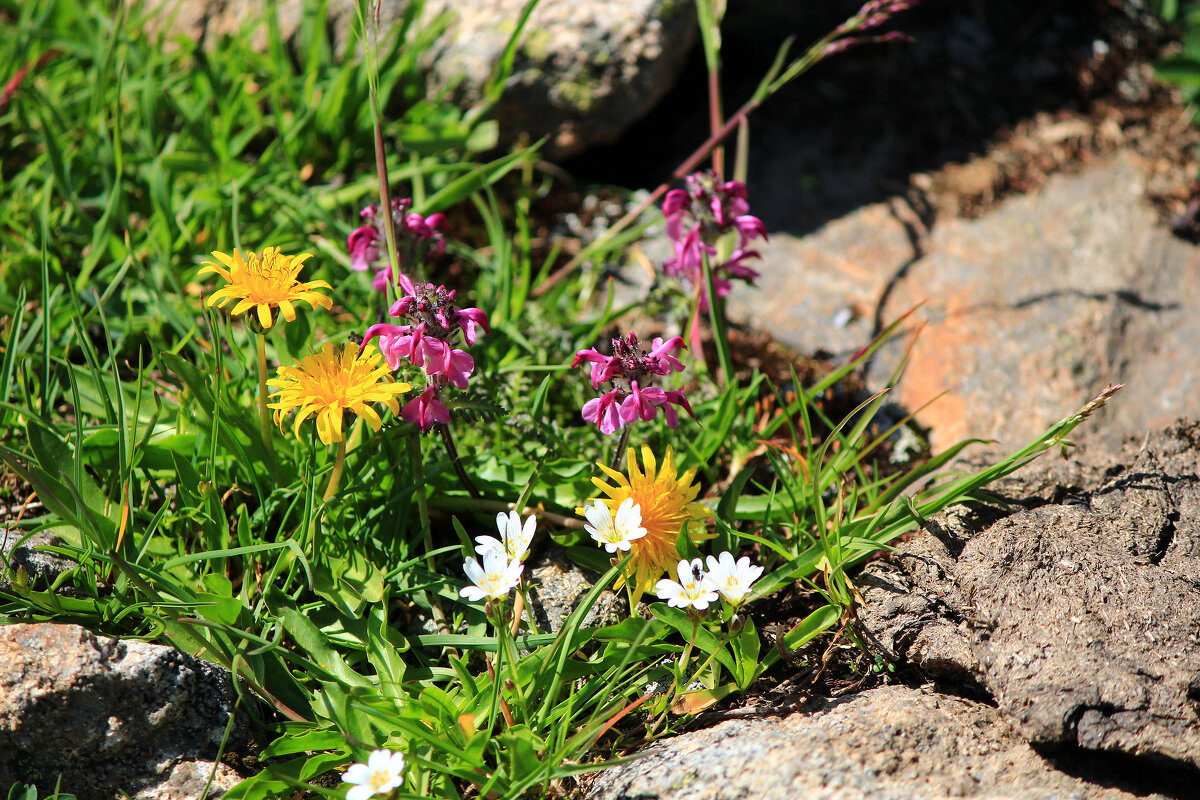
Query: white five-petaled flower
{"type": "Point", "coordinates": [514, 537]}
{"type": "Point", "coordinates": [731, 579]}
{"type": "Point", "coordinates": [694, 588]}
{"type": "Point", "coordinates": [614, 534]}
{"type": "Point", "coordinates": [383, 772]}
{"type": "Point", "coordinates": [495, 579]}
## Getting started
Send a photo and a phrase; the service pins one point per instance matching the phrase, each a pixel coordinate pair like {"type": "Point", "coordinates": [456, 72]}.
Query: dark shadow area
{"type": "Point", "coordinates": [855, 127]}
{"type": "Point", "coordinates": [1145, 775]}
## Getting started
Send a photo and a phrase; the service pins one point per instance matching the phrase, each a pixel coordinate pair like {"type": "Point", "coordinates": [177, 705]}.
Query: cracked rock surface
{"type": "Point", "coordinates": [1080, 615]}
{"type": "Point", "coordinates": [889, 743]}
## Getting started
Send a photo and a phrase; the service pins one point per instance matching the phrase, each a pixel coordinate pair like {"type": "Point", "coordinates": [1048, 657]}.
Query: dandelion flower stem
{"type": "Point", "coordinates": [264, 415]}
{"type": "Point", "coordinates": [335, 477]}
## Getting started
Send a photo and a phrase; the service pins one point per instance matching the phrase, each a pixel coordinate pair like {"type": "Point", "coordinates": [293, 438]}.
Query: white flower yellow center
{"type": "Point", "coordinates": [379, 779]}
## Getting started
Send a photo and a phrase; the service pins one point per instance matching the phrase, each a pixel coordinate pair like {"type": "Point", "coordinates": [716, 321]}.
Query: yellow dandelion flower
{"type": "Point", "coordinates": [328, 384]}
{"type": "Point", "coordinates": [264, 283]}
{"type": "Point", "coordinates": [666, 501]}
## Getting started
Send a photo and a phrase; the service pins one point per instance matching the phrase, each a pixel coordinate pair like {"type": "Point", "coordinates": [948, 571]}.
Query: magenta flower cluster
{"type": "Point", "coordinates": [628, 370]}
{"type": "Point", "coordinates": [426, 340]}
{"type": "Point", "coordinates": [698, 217]}
{"type": "Point", "coordinates": [416, 237]}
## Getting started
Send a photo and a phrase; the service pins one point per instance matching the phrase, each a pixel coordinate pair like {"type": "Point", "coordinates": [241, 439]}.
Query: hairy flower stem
{"type": "Point", "coordinates": [335, 477]}
{"type": "Point", "coordinates": [264, 414]}
{"type": "Point", "coordinates": [708, 661]}
{"type": "Point", "coordinates": [687, 654]}
{"type": "Point", "coordinates": [615, 461]}
{"type": "Point", "coordinates": [456, 461]}
{"type": "Point", "coordinates": [418, 474]}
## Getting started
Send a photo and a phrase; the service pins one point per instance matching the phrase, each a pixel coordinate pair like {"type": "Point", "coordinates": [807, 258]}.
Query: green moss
{"type": "Point", "coordinates": [580, 94]}
{"type": "Point", "coordinates": [670, 8]}
{"type": "Point", "coordinates": [536, 44]}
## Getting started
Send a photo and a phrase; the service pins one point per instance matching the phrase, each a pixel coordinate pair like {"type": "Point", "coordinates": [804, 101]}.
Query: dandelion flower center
{"type": "Point", "coordinates": [264, 283]}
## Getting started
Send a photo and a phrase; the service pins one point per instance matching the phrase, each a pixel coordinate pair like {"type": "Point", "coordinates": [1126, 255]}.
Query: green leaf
{"type": "Point", "coordinates": [745, 647]}
{"type": "Point", "coordinates": [310, 639]}
{"type": "Point", "coordinates": [519, 747]}
{"type": "Point", "coordinates": [221, 610]}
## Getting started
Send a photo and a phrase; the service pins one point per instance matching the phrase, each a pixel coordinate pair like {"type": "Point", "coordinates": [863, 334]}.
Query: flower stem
{"type": "Point", "coordinates": [681, 672]}
{"type": "Point", "coordinates": [620, 449]}
{"type": "Point", "coordinates": [456, 461]}
{"type": "Point", "coordinates": [714, 117]}
{"type": "Point", "coordinates": [335, 477]}
{"type": "Point", "coordinates": [716, 318]}
{"type": "Point", "coordinates": [418, 473]}
{"type": "Point", "coordinates": [683, 659]}
{"type": "Point", "coordinates": [501, 627]}
{"type": "Point", "coordinates": [264, 415]}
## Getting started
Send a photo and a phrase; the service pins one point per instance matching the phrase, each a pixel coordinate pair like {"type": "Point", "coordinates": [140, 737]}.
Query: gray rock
{"type": "Point", "coordinates": [585, 70]}
{"type": "Point", "coordinates": [1027, 311]}
{"type": "Point", "coordinates": [20, 551]}
{"type": "Point", "coordinates": [109, 715]}
{"type": "Point", "coordinates": [1081, 618]}
{"type": "Point", "coordinates": [890, 743]}
{"type": "Point", "coordinates": [559, 586]}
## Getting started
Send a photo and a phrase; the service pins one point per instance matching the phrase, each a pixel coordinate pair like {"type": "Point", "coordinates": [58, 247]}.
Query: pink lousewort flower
{"type": "Point", "coordinates": [416, 237]}
{"type": "Point", "coordinates": [426, 339]}
{"type": "Point", "coordinates": [363, 245]}
{"type": "Point", "coordinates": [697, 218]}
{"type": "Point", "coordinates": [630, 371]}
{"type": "Point", "coordinates": [426, 409]}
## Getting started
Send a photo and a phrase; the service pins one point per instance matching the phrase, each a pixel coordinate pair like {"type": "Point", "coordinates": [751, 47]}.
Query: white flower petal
{"type": "Point", "coordinates": [667, 589]}
{"type": "Point", "coordinates": [379, 760]}
{"type": "Point", "coordinates": [471, 593]}
{"type": "Point", "coordinates": [357, 773]}
{"type": "Point", "coordinates": [485, 543]}
{"type": "Point", "coordinates": [361, 792]}
{"type": "Point", "coordinates": [474, 572]}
